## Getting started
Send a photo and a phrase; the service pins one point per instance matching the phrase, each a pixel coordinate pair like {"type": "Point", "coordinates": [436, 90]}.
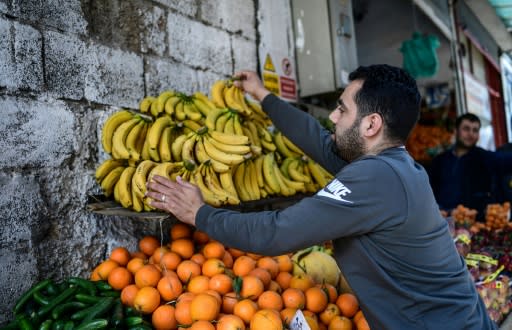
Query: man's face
{"type": "Point", "coordinates": [467, 134]}
{"type": "Point", "coordinates": [347, 135]}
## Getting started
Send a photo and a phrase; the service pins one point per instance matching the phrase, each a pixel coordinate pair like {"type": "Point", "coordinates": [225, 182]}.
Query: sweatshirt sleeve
{"type": "Point", "coordinates": [304, 131]}
{"type": "Point", "coordinates": [364, 198]}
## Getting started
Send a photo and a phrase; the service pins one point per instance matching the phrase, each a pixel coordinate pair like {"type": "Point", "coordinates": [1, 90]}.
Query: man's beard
{"type": "Point", "coordinates": [350, 144]}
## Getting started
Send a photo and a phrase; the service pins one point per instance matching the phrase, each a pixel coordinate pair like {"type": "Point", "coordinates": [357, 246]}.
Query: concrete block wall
{"type": "Point", "coordinates": [64, 67]}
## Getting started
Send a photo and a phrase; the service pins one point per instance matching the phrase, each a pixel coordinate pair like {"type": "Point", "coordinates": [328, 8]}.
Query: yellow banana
{"type": "Point", "coordinates": [192, 125]}
{"type": "Point", "coordinates": [170, 104]}
{"type": "Point", "coordinates": [285, 190]}
{"type": "Point", "coordinates": [219, 167]}
{"type": "Point", "coordinates": [256, 108]}
{"type": "Point", "coordinates": [263, 193]}
{"type": "Point", "coordinates": [208, 195]}
{"type": "Point", "coordinates": [269, 146]}
{"type": "Point", "coordinates": [179, 111]}
{"type": "Point", "coordinates": [295, 185]}
{"type": "Point", "coordinates": [155, 133]}
{"type": "Point", "coordinates": [203, 106]}
{"type": "Point", "coordinates": [281, 146]}
{"type": "Point", "coordinates": [217, 93]}
{"type": "Point", "coordinates": [200, 152]}
{"type": "Point", "coordinates": [226, 182]}
{"type": "Point", "coordinates": [251, 182]}
{"type": "Point", "coordinates": [177, 147]}
{"type": "Point", "coordinates": [221, 156]}
{"type": "Point", "coordinates": [230, 99]}
{"type": "Point", "coordinates": [269, 174]}
{"type": "Point", "coordinates": [237, 125]}
{"type": "Point", "coordinates": [221, 121]}
{"type": "Point", "coordinates": [229, 148]}
{"type": "Point", "coordinates": [239, 181]}
{"type": "Point", "coordinates": [285, 164]}
{"type": "Point", "coordinates": [212, 182]}
{"type": "Point", "coordinates": [137, 204]}
{"type": "Point", "coordinates": [162, 100]}
{"type": "Point", "coordinates": [145, 104]}
{"type": "Point", "coordinates": [317, 173]}
{"type": "Point", "coordinates": [229, 138]}
{"type": "Point", "coordinates": [213, 116]}
{"type": "Point", "coordinates": [116, 191]}
{"type": "Point", "coordinates": [108, 183]}
{"type": "Point", "coordinates": [164, 146]}
{"type": "Point", "coordinates": [229, 128]}
{"type": "Point", "coordinates": [263, 132]}
{"type": "Point", "coordinates": [133, 140]}
{"type": "Point", "coordinates": [144, 154]}
{"type": "Point", "coordinates": [140, 176]}
{"type": "Point", "coordinates": [164, 169]}
{"type": "Point", "coordinates": [119, 147]}
{"type": "Point", "coordinates": [110, 126]}
{"type": "Point", "coordinates": [254, 131]}
{"type": "Point", "coordinates": [292, 146]}
{"type": "Point", "coordinates": [153, 109]}
{"type": "Point", "coordinates": [328, 176]}
{"type": "Point", "coordinates": [204, 99]}
{"type": "Point", "coordinates": [258, 168]}
{"type": "Point", "coordinates": [295, 173]}
{"type": "Point", "coordinates": [141, 140]}
{"type": "Point", "coordinates": [106, 167]}
{"type": "Point", "coordinates": [187, 152]}
{"type": "Point", "coordinates": [191, 111]}
{"type": "Point", "coordinates": [239, 97]}
{"type": "Point", "coordinates": [124, 186]}
{"type": "Point", "coordinates": [247, 132]}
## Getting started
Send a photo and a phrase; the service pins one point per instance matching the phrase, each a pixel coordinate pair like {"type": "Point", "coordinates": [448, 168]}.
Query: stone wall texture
{"type": "Point", "coordinates": [64, 67]}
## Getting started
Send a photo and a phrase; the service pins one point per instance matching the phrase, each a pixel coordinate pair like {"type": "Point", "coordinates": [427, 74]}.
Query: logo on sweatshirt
{"type": "Point", "coordinates": [336, 190]}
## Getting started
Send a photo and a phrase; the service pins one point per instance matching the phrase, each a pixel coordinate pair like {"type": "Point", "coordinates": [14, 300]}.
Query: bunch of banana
{"type": "Point", "coordinates": [247, 176]}
{"type": "Point", "coordinates": [123, 188]}
{"type": "Point", "coordinates": [228, 149]}
{"type": "Point", "coordinates": [276, 182]}
{"type": "Point", "coordinates": [285, 147]}
{"type": "Point", "coordinates": [108, 173]}
{"type": "Point", "coordinates": [224, 94]}
{"type": "Point", "coordinates": [318, 173]}
{"type": "Point", "coordinates": [212, 187]}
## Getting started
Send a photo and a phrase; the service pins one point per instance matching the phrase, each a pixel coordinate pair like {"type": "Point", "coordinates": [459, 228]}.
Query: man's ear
{"type": "Point", "coordinates": [372, 125]}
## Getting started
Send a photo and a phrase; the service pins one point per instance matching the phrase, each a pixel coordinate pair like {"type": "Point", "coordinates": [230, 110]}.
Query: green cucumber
{"type": "Point", "coordinates": [41, 299]}
{"type": "Point", "coordinates": [28, 294]}
{"type": "Point", "coordinates": [133, 321]}
{"type": "Point", "coordinates": [117, 314]}
{"type": "Point", "coordinates": [88, 299]}
{"type": "Point", "coordinates": [93, 324]}
{"type": "Point", "coordinates": [24, 323]}
{"type": "Point", "coordinates": [69, 325]}
{"type": "Point", "coordinates": [58, 325]}
{"type": "Point", "coordinates": [57, 311]}
{"type": "Point", "coordinates": [103, 286]}
{"type": "Point", "coordinates": [84, 284]}
{"type": "Point", "coordinates": [57, 300]}
{"type": "Point", "coordinates": [91, 312]}
{"type": "Point", "coordinates": [46, 325]}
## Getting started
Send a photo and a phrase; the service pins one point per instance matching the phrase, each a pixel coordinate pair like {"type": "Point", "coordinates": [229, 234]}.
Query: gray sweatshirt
{"type": "Point", "coordinates": [389, 237]}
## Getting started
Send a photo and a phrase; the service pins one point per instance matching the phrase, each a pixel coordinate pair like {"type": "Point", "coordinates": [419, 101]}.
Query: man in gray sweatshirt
{"type": "Point", "coordinates": [389, 237]}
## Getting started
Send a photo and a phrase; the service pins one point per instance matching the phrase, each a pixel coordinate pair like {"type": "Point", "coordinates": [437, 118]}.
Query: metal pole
{"type": "Point", "coordinates": [460, 92]}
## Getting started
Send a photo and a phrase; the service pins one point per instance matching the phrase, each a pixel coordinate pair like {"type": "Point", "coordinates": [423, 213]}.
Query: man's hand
{"type": "Point", "coordinates": [180, 198]}
{"type": "Point", "coordinates": [249, 82]}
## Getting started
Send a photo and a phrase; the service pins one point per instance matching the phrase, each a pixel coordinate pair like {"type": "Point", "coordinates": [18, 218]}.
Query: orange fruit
{"type": "Point", "coordinates": [214, 249]}
{"type": "Point", "coordinates": [214, 294]}
{"type": "Point", "coordinates": [243, 265]}
{"type": "Point", "coordinates": [245, 309]}
{"type": "Point", "coordinates": [274, 286]}
{"type": "Point", "coordinates": [139, 254]}
{"type": "Point", "coordinates": [188, 269]}
{"type": "Point", "coordinates": [358, 315]}
{"type": "Point", "coordinates": [135, 264]}
{"type": "Point", "coordinates": [180, 230]}
{"type": "Point", "coordinates": [163, 318]}
{"type": "Point", "coordinates": [252, 287]}
{"type": "Point", "coordinates": [316, 299]}
{"type": "Point", "coordinates": [266, 319]}
{"type": "Point", "coordinates": [119, 278]}
{"type": "Point", "coordinates": [146, 300]}
{"type": "Point", "coordinates": [269, 264]}
{"type": "Point", "coordinates": [293, 298]}
{"type": "Point", "coordinates": [221, 283]}
{"type": "Point", "coordinates": [270, 300]}
{"type": "Point", "coordinates": [182, 312]}
{"type": "Point", "coordinates": [204, 307]}
{"type": "Point", "coordinates": [184, 247]}
{"type": "Point", "coordinates": [169, 287]}
{"type": "Point", "coordinates": [170, 260]}
{"type": "Point", "coordinates": [198, 258]}
{"type": "Point", "coordinates": [362, 324]}
{"type": "Point", "coordinates": [287, 315]}
{"type": "Point", "coordinates": [329, 313]}
{"type": "Point", "coordinates": [262, 274]}
{"type": "Point", "coordinates": [340, 323]}
{"type": "Point", "coordinates": [284, 263]}
{"type": "Point", "coordinates": [312, 322]}
{"type": "Point", "coordinates": [159, 253]}
{"type": "Point", "coordinates": [186, 296]}
{"type": "Point", "coordinates": [95, 276]}
{"type": "Point", "coordinates": [227, 260]}
{"type": "Point", "coordinates": [235, 253]}
{"type": "Point", "coordinates": [200, 237]}
{"type": "Point", "coordinates": [121, 255]}
{"type": "Point", "coordinates": [198, 284]}
{"type": "Point", "coordinates": [105, 268]}
{"type": "Point", "coordinates": [302, 282]}
{"type": "Point", "coordinates": [254, 256]}
{"type": "Point", "coordinates": [330, 290]}
{"type": "Point", "coordinates": [348, 304]}
{"type": "Point", "coordinates": [202, 325]}
{"type": "Point", "coordinates": [230, 322]}
{"type": "Point", "coordinates": [148, 275]}
{"type": "Point", "coordinates": [128, 294]}
{"type": "Point", "coordinates": [148, 245]}
{"type": "Point", "coordinates": [283, 279]}
{"type": "Point", "coordinates": [228, 302]}
{"type": "Point", "coordinates": [212, 266]}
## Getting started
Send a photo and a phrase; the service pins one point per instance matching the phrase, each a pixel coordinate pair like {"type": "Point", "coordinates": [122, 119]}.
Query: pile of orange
{"type": "Point", "coordinates": [200, 284]}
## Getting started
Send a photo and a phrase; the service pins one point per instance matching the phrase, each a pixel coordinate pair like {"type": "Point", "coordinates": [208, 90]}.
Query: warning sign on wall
{"type": "Point", "coordinates": [279, 79]}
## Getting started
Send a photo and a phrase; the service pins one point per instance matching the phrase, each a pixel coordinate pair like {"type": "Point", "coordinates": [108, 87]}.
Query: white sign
{"type": "Point", "coordinates": [299, 322]}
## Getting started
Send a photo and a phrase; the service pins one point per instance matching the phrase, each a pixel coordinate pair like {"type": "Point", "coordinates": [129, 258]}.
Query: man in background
{"type": "Point", "coordinates": [466, 174]}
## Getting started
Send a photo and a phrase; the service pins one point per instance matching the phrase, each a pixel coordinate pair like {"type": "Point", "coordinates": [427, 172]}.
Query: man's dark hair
{"type": "Point", "coordinates": [469, 117]}
{"type": "Point", "coordinates": [392, 93]}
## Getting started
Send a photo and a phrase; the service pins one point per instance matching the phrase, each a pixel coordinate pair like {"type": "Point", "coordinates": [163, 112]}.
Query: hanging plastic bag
{"type": "Point", "coordinates": [420, 56]}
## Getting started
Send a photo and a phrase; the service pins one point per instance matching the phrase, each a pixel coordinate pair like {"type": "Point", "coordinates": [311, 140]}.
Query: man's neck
{"type": "Point", "coordinates": [460, 151]}
{"type": "Point", "coordinates": [378, 148]}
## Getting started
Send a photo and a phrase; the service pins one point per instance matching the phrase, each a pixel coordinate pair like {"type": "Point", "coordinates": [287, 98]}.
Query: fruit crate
{"type": "Point", "coordinates": [103, 205]}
